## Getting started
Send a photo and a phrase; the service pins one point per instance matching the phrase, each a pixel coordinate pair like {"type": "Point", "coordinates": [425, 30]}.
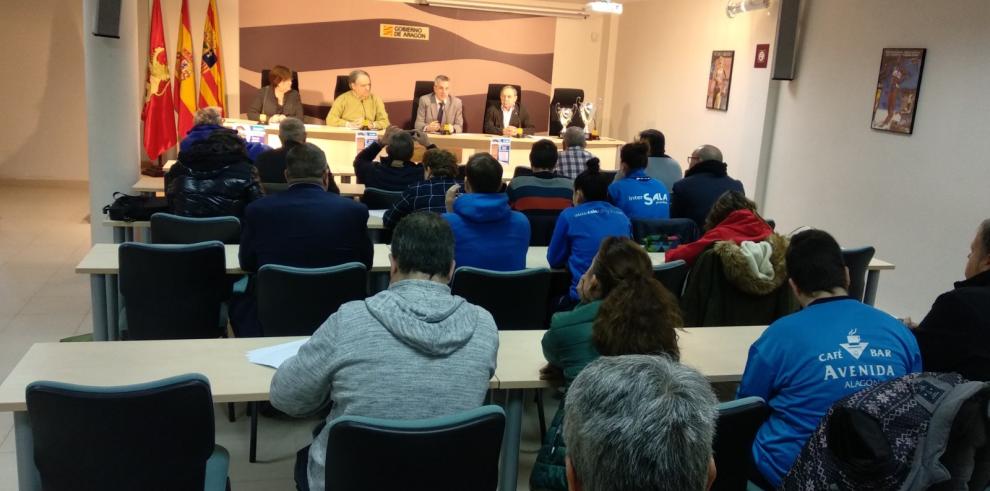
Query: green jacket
{"type": "Point", "coordinates": [567, 345]}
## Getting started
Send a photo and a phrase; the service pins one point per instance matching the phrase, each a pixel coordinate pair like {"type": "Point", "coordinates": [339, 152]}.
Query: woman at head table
{"type": "Point", "coordinates": [277, 100]}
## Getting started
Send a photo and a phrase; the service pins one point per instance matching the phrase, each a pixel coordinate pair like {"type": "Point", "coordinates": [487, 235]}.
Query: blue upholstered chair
{"type": "Point", "coordinates": [672, 275]}
{"type": "Point", "coordinates": [857, 260]}
{"type": "Point", "coordinates": [738, 422]}
{"type": "Point", "coordinates": [167, 228]}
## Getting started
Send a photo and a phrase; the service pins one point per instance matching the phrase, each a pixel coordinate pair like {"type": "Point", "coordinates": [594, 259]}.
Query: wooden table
{"type": "Point", "coordinates": [718, 352]}
{"type": "Point", "coordinates": [152, 185]}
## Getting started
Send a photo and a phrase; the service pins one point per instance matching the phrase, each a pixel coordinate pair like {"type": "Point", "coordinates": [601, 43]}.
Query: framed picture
{"type": "Point", "coordinates": [896, 97]}
{"type": "Point", "coordinates": [720, 80]}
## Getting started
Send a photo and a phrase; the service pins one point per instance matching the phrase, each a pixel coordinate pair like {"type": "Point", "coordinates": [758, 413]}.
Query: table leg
{"type": "Point", "coordinates": [509, 472]}
{"type": "Point", "coordinates": [27, 474]}
{"type": "Point", "coordinates": [129, 234]}
{"type": "Point", "coordinates": [113, 308]}
{"type": "Point", "coordinates": [870, 292]}
{"type": "Point", "coordinates": [98, 296]}
{"type": "Point", "coordinates": [118, 235]}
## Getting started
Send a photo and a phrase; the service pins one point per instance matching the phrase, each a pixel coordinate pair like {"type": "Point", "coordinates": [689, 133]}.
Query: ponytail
{"type": "Point", "coordinates": [638, 316]}
{"type": "Point", "coordinates": [592, 182]}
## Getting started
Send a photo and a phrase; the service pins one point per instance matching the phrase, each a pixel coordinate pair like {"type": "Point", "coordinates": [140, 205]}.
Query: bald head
{"type": "Point", "coordinates": [705, 153]}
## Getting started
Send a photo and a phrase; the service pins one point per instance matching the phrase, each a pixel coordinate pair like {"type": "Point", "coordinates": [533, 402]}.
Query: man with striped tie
{"type": "Point", "coordinates": [440, 111]}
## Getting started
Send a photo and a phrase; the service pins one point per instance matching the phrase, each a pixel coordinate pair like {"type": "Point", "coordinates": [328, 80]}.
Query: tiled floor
{"type": "Point", "coordinates": [43, 234]}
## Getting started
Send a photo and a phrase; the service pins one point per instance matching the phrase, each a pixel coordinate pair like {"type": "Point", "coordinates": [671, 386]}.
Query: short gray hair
{"type": "Point", "coordinates": [708, 152]}
{"type": "Point", "coordinates": [984, 239]}
{"type": "Point", "coordinates": [574, 137]}
{"type": "Point", "coordinates": [208, 115]}
{"type": "Point", "coordinates": [504, 87]}
{"type": "Point", "coordinates": [640, 422]}
{"type": "Point", "coordinates": [305, 161]}
{"type": "Point", "coordinates": [441, 78]}
{"type": "Point", "coordinates": [353, 76]}
{"type": "Point", "coordinates": [291, 129]}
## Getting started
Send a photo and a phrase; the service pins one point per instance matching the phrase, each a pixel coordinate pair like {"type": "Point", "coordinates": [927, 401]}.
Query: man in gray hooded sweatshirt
{"type": "Point", "coordinates": [410, 352]}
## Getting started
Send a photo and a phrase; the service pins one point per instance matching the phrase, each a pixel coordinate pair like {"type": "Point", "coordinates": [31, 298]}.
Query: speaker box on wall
{"type": "Point", "coordinates": [107, 22]}
{"type": "Point", "coordinates": [785, 54]}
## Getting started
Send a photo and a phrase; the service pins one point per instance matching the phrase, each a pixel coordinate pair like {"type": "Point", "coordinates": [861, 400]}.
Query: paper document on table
{"type": "Point", "coordinates": [274, 356]}
{"type": "Point", "coordinates": [377, 213]}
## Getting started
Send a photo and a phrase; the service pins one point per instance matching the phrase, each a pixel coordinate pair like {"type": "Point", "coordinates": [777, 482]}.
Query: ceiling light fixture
{"type": "Point", "coordinates": [568, 13]}
{"type": "Point", "coordinates": [736, 7]}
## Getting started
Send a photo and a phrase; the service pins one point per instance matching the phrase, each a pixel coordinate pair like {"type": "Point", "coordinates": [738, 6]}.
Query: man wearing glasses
{"type": "Point", "coordinates": [705, 180]}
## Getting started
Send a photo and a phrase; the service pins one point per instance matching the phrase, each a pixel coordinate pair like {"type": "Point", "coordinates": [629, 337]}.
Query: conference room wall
{"type": "Point", "coordinates": [918, 199]}
{"type": "Point", "coordinates": [660, 79]}
{"type": "Point", "coordinates": [44, 120]}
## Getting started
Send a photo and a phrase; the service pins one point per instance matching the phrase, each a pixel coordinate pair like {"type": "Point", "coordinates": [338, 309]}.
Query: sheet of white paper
{"type": "Point", "coordinates": [377, 213]}
{"type": "Point", "coordinates": [274, 356]}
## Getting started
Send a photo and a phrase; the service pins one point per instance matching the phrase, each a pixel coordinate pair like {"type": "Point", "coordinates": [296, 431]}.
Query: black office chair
{"type": "Point", "coordinates": [672, 275]}
{"type": "Point", "coordinates": [857, 260]}
{"type": "Point", "coordinates": [566, 98]}
{"type": "Point", "coordinates": [449, 453]}
{"type": "Point", "coordinates": [516, 299]}
{"type": "Point", "coordinates": [684, 228]}
{"type": "Point", "coordinates": [167, 228]}
{"type": "Point", "coordinates": [156, 435]}
{"type": "Point", "coordinates": [738, 422]}
{"type": "Point", "coordinates": [610, 174]}
{"type": "Point", "coordinates": [421, 88]}
{"type": "Point", "coordinates": [173, 291]}
{"type": "Point", "coordinates": [265, 83]}
{"type": "Point", "coordinates": [541, 225]}
{"type": "Point", "coordinates": [341, 86]}
{"type": "Point", "coordinates": [380, 199]}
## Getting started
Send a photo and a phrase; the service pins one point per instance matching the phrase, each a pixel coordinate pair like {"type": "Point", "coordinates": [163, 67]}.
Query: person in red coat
{"type": "Point", "coordinates": [733, 217]}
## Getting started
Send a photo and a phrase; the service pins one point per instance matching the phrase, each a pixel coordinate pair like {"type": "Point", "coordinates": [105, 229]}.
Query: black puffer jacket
{"type": "Point", "coordinates": [209, 181]}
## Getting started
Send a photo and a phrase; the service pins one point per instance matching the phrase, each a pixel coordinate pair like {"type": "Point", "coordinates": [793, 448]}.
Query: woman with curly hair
{"type": "Point", "coordinates": [624, 310]}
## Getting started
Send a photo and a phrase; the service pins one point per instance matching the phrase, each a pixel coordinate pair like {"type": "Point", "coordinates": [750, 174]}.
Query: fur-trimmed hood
{"type": "Point", "coordinates": [742, 276]}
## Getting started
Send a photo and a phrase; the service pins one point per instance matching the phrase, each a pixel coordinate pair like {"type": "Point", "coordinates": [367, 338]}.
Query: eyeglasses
{"type": "Point", "coordinates": [691, 158]}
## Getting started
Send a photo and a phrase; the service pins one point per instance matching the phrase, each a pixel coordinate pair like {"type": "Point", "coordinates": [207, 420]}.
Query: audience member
{"type": "Point", "coordinates": [205, 122]}
{"type": "Point", "coordinates": [396, 171]}
{"type": "Point", "coordinates": [637, 194]}
{"type": "Point", "coordinates": [427, 195]}
{"type": "Point", "coordinates": [413, 351]}
{"type": "Point", "coordinates": [806, 361]}
{"type": "Point", "coordinates": [639, 422]}
{"type": "Point", "coordinates": [574, 157]}
{"type": "Point", "coordinates": [580, 230]}
{"type": "Point", "coordinates": [624, 310]}
{"type": "Point", "coordinates": [659, 166]}
{"type": "Point", "coordinates": [544, 189]}
{"type": "Point", "coordinates": [271, 164]}
{"type": "Point", "coordinates": [705, 180]}
{"type": "Point", "coordinates": [953, 336]}
{"type": "Point", "coordinates": [487, 233]}
{"type": "Point", "coordinates": [213, 177]}
{"type": "Point", "coordinates": [732, 217]}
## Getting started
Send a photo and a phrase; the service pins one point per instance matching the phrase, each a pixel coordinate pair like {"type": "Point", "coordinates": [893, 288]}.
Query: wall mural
{"type": "Point", "coordinates": [398, 44]}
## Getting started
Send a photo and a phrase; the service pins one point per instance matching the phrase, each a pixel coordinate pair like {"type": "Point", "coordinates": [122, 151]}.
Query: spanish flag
{"type": "Point", "coordinates": [185, 75]}
{"type": "Point", "coordinates": [158, 114]}
{"type": "Point", "coordinates": [211, 86]}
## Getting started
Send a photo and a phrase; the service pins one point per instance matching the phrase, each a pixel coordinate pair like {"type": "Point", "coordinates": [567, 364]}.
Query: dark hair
{"type": "Point", "coordinates": [484, 173]}
{"type": "Point", "coordinates": [400, 147]}
{"type": "Point", "coordinates": [727, 203]}
{"type": "Point", "coordinates": [441, 162]}
{"type": "Point", "coordinates": [634, 155]}
{"type": "Point", "coordinates": [984, 239]}
{"type": "Point", "coordinates": [543, 155]}
{"type": "Point", "coordinates": [353, 76]}
{"type": "Point", "coordinates": [592, 182]}
{"type": "Point", "coordinates": [277, 74]}
{"type": "Point", "coordinates": [656, 141]}
{"type": "Point", "coordinates": [638, 315]}
{"type": "Point", "coordinates": [305, 161]}
{"type": "Point", "coordinates": [422, 242]}
{"type": "Point", "coordinates": [814, 262]}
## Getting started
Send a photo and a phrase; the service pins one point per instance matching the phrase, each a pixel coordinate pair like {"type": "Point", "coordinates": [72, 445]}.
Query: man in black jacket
{"type": "Point", "coordinates": [396, 171]}
{"type": "Point", "coordinates": [213, 177]}
{"type": "Point", "coordinates": [955, 335]}
{"type": "Point", "coordinates": [271, 164]}
{"type": "Point", "coordinates": [704, 182]}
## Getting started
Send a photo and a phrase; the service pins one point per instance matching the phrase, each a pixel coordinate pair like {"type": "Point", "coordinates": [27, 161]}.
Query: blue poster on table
{"type": "Point", "coordinates": [500, 149]}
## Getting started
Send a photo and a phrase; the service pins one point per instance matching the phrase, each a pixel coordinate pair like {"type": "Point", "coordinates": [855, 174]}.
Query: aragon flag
{"type": "Point", "coordinates": [158, 114]}
{"type": "Point", "coordinates": [185, 71]}
{"type": "Point", "coordinates": [211, 86]}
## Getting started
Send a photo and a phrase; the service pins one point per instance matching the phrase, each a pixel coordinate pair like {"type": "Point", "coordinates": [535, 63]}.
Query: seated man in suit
{"type": "Point", "coordinates": [429, 194]}
{"type": "Point", "coordinates": [304, 226]}
{"type": "Point", "coordinates": [637, 194]}
{"type": "Point", "coordinates": [543, 189]}
{"type": "Point", "coordinates": [439, 109]}
{"type": "Point", "coordinates": [396, 171]}
{"type": "Point", "coordinates": [508, 117]}
{"type": "Point", "coordinates": [271, 164]}
{"type": "Point", "coordinates": [953, 336]}
{"type": "Point", "coordinates": [487, 233]}
{"type": "Point", "coordinates": [413, 351]}
{"type": "Point", "coordinates": [358, 107]}
{"type": "Point", "coordinates": [705, 180]}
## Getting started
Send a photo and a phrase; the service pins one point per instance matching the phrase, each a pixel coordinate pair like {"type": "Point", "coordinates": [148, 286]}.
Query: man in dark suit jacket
{"type": "Point", "coordinates": [304, 226]}
{"type": "Point", "coordinates": [506, 118]}
{"type": "Point", "coordinates": [704, 182]}
{"type": "Point", "coordinates": [271, 164]}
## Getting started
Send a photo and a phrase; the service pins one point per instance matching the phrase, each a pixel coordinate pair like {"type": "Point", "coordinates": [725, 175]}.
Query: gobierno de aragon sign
{"type": "Point", "coordinates": [404, 32]}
